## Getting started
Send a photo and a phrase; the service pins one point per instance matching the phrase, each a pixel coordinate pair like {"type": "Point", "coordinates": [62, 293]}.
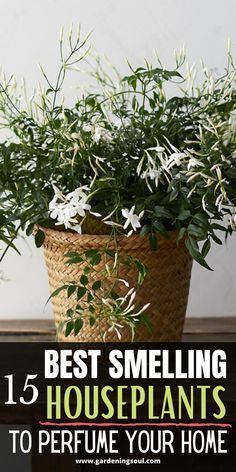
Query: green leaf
{"type": "Point", "coordinates": [57, 291]}
{"type": "Point", "coordinates": [93, 256]}
{"type": "Point", "coordinates": [183, 215]}
{"type": "Point", "coordinates": [173, 194]}
{"type": "Point", "coordinates": [71, 254]}
{"type": "Point", "coordinates": [90, 297]}
{"type": "Point", "coordinates": [206, 248]}
{"type": "Point", "coordinates": [153, 241]}
{"type": "Point", "coordinates": [217, 226]}
{"type": "Point", "coordinates": [142, 271]}
{"type": "Point", "coordinates": [202, 220]}
{"type": "Point", "coordinates": [49, 90]}
{"type": "Point", "coordinates": [92, 321]}
{"type": "Point", "coordinates": [216, 239]}
{"type": "Point", "coordinates": [141, 267]}
{"type": "Point", "coordinates": [193, 249]}
{"type": "Point", "coordinates": [197, 231]}
{"type": "Point", "coordinates": [69, 328]}
{"type": "Point", "coordinates": [9, 243]}
{"type": "Point", "coordinates": [70, 290]}
{"type": "Point", "coordinates": [78, 325]}
{"type": "Point", "coordinates": [161, 211]}
{"type": "Point", "coordinates": [145, 229]}
{"type": "Point", "coordinates": [96, 285]}
{"type": "Point", "coordinates": [81, 292]}
{"type": "Point", "coordinates": [144, 318]}
{"type": "Point", "coordinates": [84, 279]}
{"type": "Point", "coordinates": [39, 238]}
{"type": "Point", "coordinates": [69, 312]}
{"type": "Point", "coordinates": [29, 229]}
{"type": "Point", "coordinates": [158, 225]}
{"type": "Point", "coordinates": [74, 260]}
{"type": "Point", "coordinates": [181, 234]}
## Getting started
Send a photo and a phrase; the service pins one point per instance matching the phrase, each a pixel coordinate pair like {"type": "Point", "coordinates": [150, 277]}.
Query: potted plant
{"type": "Point", "coordinates": [123, 189]}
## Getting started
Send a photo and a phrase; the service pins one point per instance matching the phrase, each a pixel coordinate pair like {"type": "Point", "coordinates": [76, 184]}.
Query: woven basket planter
{"type": "Point", "coordinates": [166, 285]}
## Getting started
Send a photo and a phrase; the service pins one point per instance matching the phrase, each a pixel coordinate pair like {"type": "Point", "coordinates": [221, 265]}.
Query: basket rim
{"type": "Point", "coordinates": [69, 237]}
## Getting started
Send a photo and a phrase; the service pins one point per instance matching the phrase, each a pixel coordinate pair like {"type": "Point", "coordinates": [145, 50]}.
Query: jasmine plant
{"type": "Point", "coordinates": [150, 153]}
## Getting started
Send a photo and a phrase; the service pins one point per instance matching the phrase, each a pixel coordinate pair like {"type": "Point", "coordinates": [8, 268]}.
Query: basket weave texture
{"type": "Point", "coordinates": [166, 285]}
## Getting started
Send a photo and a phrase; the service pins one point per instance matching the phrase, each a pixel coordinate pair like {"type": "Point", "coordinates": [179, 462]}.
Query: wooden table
{"type": "Point", "coordinates": [196, 329]}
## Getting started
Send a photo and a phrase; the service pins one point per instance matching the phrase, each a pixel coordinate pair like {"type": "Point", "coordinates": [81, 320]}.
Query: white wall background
{"type": "Point", "coordinates": [29, 33]}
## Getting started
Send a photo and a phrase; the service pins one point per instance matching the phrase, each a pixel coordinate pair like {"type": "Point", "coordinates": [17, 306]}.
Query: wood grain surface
{"type": "Point", "coordinates": [196, 329]}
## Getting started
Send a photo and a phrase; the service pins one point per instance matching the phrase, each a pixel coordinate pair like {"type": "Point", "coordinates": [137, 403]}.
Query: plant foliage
{"type": "Point", "coordinates": [149, 152]}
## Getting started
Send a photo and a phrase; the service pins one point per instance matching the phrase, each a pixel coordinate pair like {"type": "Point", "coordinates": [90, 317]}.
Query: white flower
{"type": "Point", "coordinates": [75, 135]}
{"type": "Point", "coordinates": [130, 308]}
{"type": "Point", "coordinates": [98, 130]}
{"type": "Point", "coordinates": [175, 159]}
{"type": "Point", "coordinates": [87, 128]}
{"type": "Point", "coordinates": [125, 282]}
{"type": "Point", "coordinates": [126, 309]}
{"type": "Point", "coordinates": [111, 223]}
{"type": "Point", "coordinates": [58, 193]}
{"type": "Point", "coordinates": [193, 162]}
{"type": "Point", "coordinates": [114, 327]}
{"type": "Point", "coordinates": [78, 193]}
{"type": "Point", "coordinates": [77, 228]}
{"type": "Point", "coordinates": [152, 174]}
{"type": "Point", "coordinates": [95, 213]}
{"type": "Point", "coordinates": [159, 149]}
{"type": "Point", "coordinates": [66, 208]}
{"type": "Point", "coordinates": [132, 219]}
{"type": "Point", "coordinates": [155, 158]}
